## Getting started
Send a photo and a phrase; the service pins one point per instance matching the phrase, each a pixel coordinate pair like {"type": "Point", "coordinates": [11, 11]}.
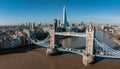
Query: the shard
{"type": "Point", "coordinates": [65, 23]}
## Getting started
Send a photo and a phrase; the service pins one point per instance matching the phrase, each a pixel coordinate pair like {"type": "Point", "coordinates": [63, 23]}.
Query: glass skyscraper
{"type": "Point", "coordinates": [65, 23]}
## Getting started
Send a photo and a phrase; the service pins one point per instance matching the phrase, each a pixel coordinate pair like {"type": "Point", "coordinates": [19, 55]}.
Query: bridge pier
{"type": "Point", "coordinates": [89, 56]}
{"type": "Point", "coordinates": [52, 50]}
{"type": "Point", "coordinates": [88, 59]}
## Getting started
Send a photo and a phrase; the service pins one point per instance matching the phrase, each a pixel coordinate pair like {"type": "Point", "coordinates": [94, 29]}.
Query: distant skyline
{"type": "Point", "coordinates": [45, 11]}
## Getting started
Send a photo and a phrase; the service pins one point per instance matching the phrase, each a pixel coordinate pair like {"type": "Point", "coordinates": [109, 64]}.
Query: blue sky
{"type": "Point", "coordinates": [45, 11]}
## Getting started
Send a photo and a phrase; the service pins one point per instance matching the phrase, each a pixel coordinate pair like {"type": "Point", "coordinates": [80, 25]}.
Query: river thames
{"type": "Point", "coordinates": [29, 58]}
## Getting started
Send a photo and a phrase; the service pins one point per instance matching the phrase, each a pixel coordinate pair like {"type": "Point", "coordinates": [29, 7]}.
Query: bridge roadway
{"type": "Point", "coordinates": [71, 34]}
{"type": "Point", "coordinates": [107, 51]}
{"type": "Point", "coordinates": [46, 45]}
{"type": "Point", "coordinates": [76, 51]}
{"type": "Point", "coordinates": [98, 54]}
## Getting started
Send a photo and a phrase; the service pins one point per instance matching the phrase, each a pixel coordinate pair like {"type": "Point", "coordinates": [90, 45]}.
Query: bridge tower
{"type": "Point", "coordinates": [89, 57]}
{"type": "Point", "coordinates": [52, 50]}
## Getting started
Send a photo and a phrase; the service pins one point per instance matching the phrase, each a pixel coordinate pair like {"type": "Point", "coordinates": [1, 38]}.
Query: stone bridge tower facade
{"type": "Point", "coordinates": [52, 37]}
{"type": "Point", "coordinates": [88, 58]}
{"type": "Point", "coordinates": [52, 50]}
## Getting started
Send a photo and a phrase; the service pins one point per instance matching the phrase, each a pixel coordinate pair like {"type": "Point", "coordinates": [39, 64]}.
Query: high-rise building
{"type": "Point", "coordinates": [59, 25]}
{"type": "Point", "coordinates": [31, 25]}
{"type": "Point", "coordinates": [55, 24]}
{"type": "Point", "coordinates": [65, 23]}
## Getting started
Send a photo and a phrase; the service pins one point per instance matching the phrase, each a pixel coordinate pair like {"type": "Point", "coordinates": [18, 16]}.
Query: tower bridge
{"type": "Point", "coordinates": [94, 47]}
